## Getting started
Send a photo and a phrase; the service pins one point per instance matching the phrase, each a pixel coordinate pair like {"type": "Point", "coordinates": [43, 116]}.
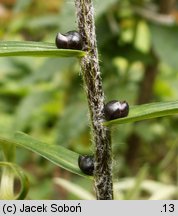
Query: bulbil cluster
{"type": "Point", "coordinates": [112, 110]}
{"type": "Point", "coordinates": [116, 109]}
{"type": "Point", "coordinates": [69, 40]}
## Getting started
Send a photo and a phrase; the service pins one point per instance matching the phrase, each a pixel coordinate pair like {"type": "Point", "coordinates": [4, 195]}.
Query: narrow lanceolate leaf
{"type": "Point", "coordinates": [74, 188]}
{"type": "Point", "coordinates": [10, 171]}
{"type": "Point", "coordinates": [39, 49]}
{"type": "Point", "coordinates": [147, 111]}
{"type": "Point", "coordinates": [55, 153]}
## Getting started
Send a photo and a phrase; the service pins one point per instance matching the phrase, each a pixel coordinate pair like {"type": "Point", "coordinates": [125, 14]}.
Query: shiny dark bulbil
{"type": "Point", "coordinates": [116, 109]}
{"type": "Point", "coordinates": [86, 164]}
{"type": "Point", "coordinates": [70, 40]}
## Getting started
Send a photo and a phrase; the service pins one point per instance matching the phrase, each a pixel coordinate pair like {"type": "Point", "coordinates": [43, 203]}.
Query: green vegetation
{"type": "Point", "coordinates": [41, 94]}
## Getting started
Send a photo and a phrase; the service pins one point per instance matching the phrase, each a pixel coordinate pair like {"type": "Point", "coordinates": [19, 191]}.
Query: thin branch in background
{"type": "Point", "coordinates": [155, 17]}
{"type": "Point", "coordinates": [151, 71]}
{"type": "Point", "coordinates": [95, 96]}
{"type": "Point", "coordinates": [166, 6]}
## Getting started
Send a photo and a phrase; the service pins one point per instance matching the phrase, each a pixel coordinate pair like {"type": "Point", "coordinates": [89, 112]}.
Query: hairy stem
{"type": "Point", "coordinates": [95, 95]}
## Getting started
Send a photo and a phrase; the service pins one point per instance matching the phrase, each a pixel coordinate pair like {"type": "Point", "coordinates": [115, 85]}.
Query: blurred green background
{"type": "Point", "coordinates": [44, 97]}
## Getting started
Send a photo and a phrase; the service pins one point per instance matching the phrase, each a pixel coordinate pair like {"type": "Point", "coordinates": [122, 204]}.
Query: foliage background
{"type": "Point", "coordinates": [44, 96]}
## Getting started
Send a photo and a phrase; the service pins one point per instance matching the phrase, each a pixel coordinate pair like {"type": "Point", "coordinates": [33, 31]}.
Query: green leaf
{"type": "Point", "coordinates": [56, 154]}
{"type": "Point", "coordinates": [67, 17]}
{"type": "Point", "coordinates": [43, 22]}
{"type": "Point", "coordinates": [147, 111]}
{"type": "Point", "coordinates": [58, 65]}
{"type": "Point", "coordinates": [155, 190]}
{"type": "Point", "coordinates": [39, 49]}
{"type": "Point", "coordinates": [134, 192]}
{"type": "Point", "coordinates": [21, 5]}
{"type": "Point", "coordinates": [7, 181]}
{"type": "Point", "coordinates": [72, 126]}
{"type": "Point", "coordinates": [72, 187]}
{"type": "Point", "coordinates": [165, 43]}
{"type": "Point", "coordinates": [29, 106]}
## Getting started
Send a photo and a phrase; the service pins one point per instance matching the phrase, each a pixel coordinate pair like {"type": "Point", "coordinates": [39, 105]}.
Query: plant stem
{"type": "Point", "coordinates": [95, 96]}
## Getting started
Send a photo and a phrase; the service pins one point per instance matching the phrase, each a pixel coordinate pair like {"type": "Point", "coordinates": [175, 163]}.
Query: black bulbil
{"type": "Point", "coordinates": [116, 109]}
{"type": "Point", "coordinates": [86, 164]}
{"type": "Point", "coordinates": [70, 40]}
